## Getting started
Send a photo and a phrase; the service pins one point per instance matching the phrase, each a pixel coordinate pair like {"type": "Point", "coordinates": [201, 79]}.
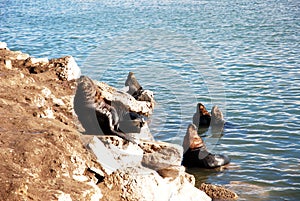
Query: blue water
{"type": "Point", "coordinates": [240, 55]}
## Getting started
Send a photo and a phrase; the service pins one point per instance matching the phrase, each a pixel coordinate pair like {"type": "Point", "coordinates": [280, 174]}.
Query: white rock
{"type": "Point", "coordinates": [189, 192]}
{"type": "Point", "coordinates": [39, 60]}
{"type": "Point", "coordinates": [104, 156]}
{"type": "Point", "coordinates": [46, 92]}
{"type": "Point", "coordinates": [140, 183]}
{"type": "Point", "coordinates": [63, 196]}
{"type": "Point", "coordinates": [8, 64]}
{"type": "Point", "coordinates": [47, 113]}
{"type": "Point", "coordinates": [3, 45]}
{"type": "Point", "coordinates": [120, 156]}
{"type": "Point", "coordinates": [73, 71]}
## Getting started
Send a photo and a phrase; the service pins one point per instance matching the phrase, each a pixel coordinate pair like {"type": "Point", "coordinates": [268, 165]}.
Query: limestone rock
{"type": "Point", "coordinates": [3, 45]}
{"type": "Point", "coordinates": [218, 192]}
{"type": "Point", "coordinates": [161, 155]}
{"type": "Point", "coordinates": [66, 68]}
{"type": "Point", "coordinates": [140, 183]}
{"type": "Point", "coordinates": [114, 153]}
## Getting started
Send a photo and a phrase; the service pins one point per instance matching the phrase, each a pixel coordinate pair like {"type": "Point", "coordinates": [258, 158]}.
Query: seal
{"type": "Point", "coordinates": [128, 121]}
{"type": "Point", "coordinates": [94, 111]}
{"type": "Point", "coordinates": [196, 153]}
{"type": "Point", "coordinates": [217, 120]}
{"type": "Point", "coordinates": [202, 117]}
{"type": "Point", "coordinates": [135, 89]}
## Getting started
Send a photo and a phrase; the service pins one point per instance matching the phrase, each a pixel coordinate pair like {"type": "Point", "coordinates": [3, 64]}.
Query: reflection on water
{"type": "Point", "coordinates": [241, 55]}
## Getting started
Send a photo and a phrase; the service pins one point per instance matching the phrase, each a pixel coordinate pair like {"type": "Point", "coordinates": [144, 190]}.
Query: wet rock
{"type": "Point", "coordinates": [218, 192]}
{"type": "Point", "coordinates": [161, 155]}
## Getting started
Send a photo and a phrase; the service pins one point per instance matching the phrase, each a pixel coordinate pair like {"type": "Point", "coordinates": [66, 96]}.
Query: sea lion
{"type": "Point", "coordinates": [217, 120]}
{"type": "Point", "coordinates": [192, 140]}
{"type": "Point", "coordinates": [129, 122]}
{"type": "Point", "coordinates": [96, 115]}
{"type": "Point", "coordinates": [135, 89]}
{"type": "Point", "coordinates": [196, 153]}
{"type": "Point", "coordinates": [202, 117]}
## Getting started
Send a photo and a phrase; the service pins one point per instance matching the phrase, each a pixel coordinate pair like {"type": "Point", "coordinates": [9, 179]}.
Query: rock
{"type": "Point", "coordinates": [113, 153]}
{"type": "Point", "coordinates": [218, 192]}
{"type": "Point", "coordinates": [161, 155]}
{"type": "Point", "coordinates": [140, 183]}
{"type": "Point", "coordinates": [41, 158]}
{"type": "Point", "coordinates": [38, 60]}
{"type": "Point", "coordinates": [202, 117]}
{"type": "Point", "coordinates": [197, 155]}
{"type": "Point", "coordinates": [3, 45]}
{"type": "Point", "coordinates": [66, 68]}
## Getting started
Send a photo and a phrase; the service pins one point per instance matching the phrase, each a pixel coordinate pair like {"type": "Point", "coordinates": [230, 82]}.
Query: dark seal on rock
{"type": "Point", "coordinates": [135, 89]}
{"type": "Point", "coordinates": [202, 117]}
{"type": "Point", "coordinates": [196, 153]}
{"type": "Point", "coordinates": [96, 114]}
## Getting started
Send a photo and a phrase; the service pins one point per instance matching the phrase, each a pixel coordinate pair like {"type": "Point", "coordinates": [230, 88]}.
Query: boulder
{"type": "Point", "coordinates": [142, 184]}
{"type": "Point", "coordinates": [114, 153]}
{"type": "Point", "coordinates": [161, 155]}
{"type": "Point", "coordinates": [218, 192]}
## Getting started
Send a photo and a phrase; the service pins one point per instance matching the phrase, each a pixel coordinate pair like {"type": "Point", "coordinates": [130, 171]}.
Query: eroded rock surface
{"type": "Point", "coordinates": [40, 148]}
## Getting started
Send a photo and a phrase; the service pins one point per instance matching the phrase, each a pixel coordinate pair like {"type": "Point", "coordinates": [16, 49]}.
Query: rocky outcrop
{"type": "Point", "coordinates": [148, 171]}
{"type": "Point", "coordinates": [218, 192]}
{"type": "Point", "coordinates": [40, 148]}
{"type": "Point", "coordinates": [44, 156]}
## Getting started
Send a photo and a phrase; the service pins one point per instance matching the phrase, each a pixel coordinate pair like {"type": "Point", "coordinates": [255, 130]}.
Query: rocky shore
{"type": "Point", "coordinates": [50, 150]}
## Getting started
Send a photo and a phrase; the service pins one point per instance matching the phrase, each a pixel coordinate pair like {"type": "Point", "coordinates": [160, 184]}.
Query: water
{"type": "Point", "coordinates": [240, 55]}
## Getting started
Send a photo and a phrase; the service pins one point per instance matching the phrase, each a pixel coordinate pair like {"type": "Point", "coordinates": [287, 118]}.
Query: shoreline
{"type": "Point", "coordinates": [42, 147]}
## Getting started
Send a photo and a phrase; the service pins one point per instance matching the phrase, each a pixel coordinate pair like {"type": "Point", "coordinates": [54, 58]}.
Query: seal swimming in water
{"type": "Point", "coordinates": [217, 119]}
{"type": "Point", "coordinates": [196, 153]}
{"type": "Point", "coordinates": [202, 117]}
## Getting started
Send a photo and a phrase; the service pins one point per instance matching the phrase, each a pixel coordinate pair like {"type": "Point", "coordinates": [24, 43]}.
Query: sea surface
{"type": "Point", "coordinates": [241, 55]}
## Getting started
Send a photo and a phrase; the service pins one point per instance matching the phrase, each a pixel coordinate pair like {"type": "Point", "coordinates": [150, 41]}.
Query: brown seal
{"type": "Point", "coordinates": [134, 86]}
{"type": "Point", "coordinates": [192, 140]}
{"type": "Point", "coordinates": [196, 153]}
{"type": "Point", "coordinates": [202, 117]}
